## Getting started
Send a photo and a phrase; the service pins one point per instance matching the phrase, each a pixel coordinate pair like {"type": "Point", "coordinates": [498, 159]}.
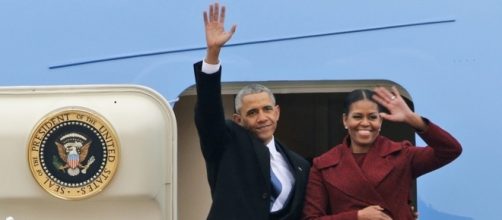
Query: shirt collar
{"type": "Point", "coordinates": [271, 146]}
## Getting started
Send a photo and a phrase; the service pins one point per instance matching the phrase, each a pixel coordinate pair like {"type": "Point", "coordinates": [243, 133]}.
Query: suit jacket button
{"type": "Point", "coordinates": [264, 195]}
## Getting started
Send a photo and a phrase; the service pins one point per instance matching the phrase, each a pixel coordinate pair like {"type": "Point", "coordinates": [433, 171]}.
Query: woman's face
{"type": "Point", "coordinates": [363, 123]}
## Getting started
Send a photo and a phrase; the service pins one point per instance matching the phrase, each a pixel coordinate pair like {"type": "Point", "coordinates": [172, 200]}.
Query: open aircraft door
{"type": "Point", "coordinates": [310, 124]}
{"type": "Point", "coordinates": [87, 152]}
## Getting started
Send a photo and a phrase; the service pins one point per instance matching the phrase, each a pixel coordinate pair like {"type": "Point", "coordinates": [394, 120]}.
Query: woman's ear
{"type": "Point", "coordinates": [344, 120]}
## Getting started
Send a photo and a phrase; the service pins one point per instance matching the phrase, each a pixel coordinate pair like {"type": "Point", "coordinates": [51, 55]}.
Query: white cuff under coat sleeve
{"type": "Point", "coordinates": [210, 68]}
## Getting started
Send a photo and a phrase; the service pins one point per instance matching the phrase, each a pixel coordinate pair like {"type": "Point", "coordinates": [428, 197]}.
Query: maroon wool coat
{"type": "Point", "coordinates": [338, 187]}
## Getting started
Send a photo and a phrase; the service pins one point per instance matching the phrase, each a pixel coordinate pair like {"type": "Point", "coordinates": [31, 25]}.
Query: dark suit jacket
{"type": "Point", "coordinates": [237, 163]}
{"type": "Point", "coordinates": [338, 187]}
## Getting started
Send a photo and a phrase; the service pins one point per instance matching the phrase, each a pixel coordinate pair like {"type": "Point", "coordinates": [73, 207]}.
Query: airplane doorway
{"type": "Point", "coordinates": [310, 124]}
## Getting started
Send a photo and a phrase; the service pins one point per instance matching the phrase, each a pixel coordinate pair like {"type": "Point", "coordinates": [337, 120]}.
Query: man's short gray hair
{"type": "Point", "coordinates": [251, 89]}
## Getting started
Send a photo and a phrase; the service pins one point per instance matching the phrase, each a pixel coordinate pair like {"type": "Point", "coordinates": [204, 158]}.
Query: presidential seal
{"type": "Point", "coordinates": [73, 153]}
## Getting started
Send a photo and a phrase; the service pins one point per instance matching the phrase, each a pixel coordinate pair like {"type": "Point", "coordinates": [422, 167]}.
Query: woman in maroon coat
{"type": "Point", "coordinates": [369, 176]}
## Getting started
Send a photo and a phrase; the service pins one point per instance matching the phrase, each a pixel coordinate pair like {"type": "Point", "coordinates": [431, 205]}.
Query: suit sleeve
{"type": "Point", "coordinates": [317, 202]}
{"type": "Point", "coordinates": [442, 149]}
{"type": "Point", "coordinates": [209, 115]}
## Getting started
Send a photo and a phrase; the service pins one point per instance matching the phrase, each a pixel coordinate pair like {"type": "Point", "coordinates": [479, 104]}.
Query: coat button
{"type": "Point", "coordinates": [264, 195]}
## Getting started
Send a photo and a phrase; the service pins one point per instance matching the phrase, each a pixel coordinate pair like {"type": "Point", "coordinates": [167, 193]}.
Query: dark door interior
{"type": "Point", "coordinates": [311, 123]}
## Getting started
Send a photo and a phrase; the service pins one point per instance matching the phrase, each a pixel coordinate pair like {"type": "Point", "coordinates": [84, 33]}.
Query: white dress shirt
{"type": "Point", "coordinates": [282, 170]}
{"type": "Point", "coordinates": [210, 68]}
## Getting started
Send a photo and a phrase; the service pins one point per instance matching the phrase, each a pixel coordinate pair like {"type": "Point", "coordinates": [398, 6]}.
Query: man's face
{"type": "Point", "coordinates": [258, 115]}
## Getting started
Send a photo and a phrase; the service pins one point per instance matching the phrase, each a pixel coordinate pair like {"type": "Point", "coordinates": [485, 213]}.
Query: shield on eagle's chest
{"type": "Point", "coordinates": [73, 160]}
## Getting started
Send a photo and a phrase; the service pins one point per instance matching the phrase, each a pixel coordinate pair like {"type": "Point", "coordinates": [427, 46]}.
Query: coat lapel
{"type": "Point", "coordinates": [296, 167]}
{"type": "Point", "coordinates": [300, 172]}
{"type": "Point", "coordinates": [263, 156]}
{"type": "Point", "coordinates": [377, 165]}
{"type": "Point", "coordinates": [297, 170]}
{"type": "Point", "coordinates": [341, 171]}
{"type": "Point", "coordinates": [260, 150]}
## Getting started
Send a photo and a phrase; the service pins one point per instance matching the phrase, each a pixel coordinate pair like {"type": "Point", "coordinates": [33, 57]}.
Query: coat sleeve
{"type": "Point", "coordinates": [317, 202]}
{"type": "Point", "coordinates": [442, 149]}
{"type": "Point", "coordinates": [209, 114]}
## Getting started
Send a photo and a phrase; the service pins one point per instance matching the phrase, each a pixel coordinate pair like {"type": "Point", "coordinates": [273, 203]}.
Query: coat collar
{"type": "Point", "coordinates": [384, 147]}
{"type": "Point", "coordinates": [260, 149]}
{"type": "Point", "coordinates": [341, 170]}
{"type": "Point", "coordinates": [299, 170]}
{"type": "Point", "coordinates": [263, 156]}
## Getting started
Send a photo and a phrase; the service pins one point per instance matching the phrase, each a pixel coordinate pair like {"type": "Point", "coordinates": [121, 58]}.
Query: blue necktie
{"type": "Point", "coordinates": [276, 186]}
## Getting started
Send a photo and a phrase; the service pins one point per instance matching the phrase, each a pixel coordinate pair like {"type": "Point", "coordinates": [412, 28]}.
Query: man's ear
{"type": "Point", "coordinates": [237, 118]}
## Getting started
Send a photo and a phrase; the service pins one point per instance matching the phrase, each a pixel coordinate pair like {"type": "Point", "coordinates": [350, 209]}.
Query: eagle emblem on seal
{"type": "Point", "coordinates": [73, 149]}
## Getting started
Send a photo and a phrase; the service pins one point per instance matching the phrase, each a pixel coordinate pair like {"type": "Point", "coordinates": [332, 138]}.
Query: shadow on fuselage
{"type": "Point", "coordinates": [428, 212]}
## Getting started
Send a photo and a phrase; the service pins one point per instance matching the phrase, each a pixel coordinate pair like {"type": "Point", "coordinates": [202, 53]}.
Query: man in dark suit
{"type": "Point", "coordinates": [251, 175]}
